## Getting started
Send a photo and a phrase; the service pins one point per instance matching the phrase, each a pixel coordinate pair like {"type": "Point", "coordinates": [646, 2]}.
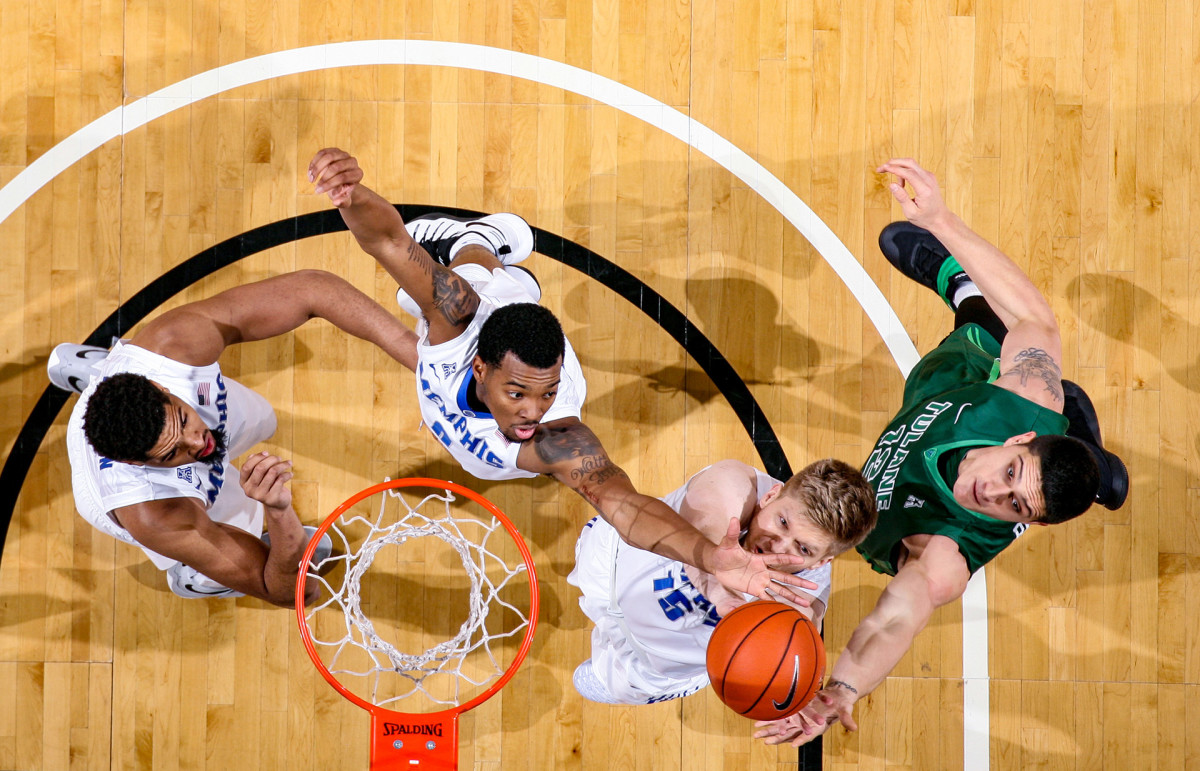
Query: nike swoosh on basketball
{"type": "Point", "coordinates": [791, 691]}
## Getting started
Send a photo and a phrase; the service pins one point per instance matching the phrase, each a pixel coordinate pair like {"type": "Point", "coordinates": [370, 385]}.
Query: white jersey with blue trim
{"type": "Point", "coordinates": [101, 485]}
{"type": "Point", "coordinates": [444, 376]}
{"type": "Point", "coordinates": [652, 624]}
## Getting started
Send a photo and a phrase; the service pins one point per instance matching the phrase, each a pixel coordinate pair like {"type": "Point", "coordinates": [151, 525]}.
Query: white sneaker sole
{"type": "Point", "coordinates": [72, 366]}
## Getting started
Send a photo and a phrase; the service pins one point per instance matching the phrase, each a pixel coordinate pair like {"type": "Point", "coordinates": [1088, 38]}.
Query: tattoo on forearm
{"type": "Point", "coordinates": [418, 255]}
{"type": "Point", "coordinates": [842, 684]}
{"type": "Point", "coordinates": [1034, 363]}
{"type": "Point", "coordinates": [592, 474]}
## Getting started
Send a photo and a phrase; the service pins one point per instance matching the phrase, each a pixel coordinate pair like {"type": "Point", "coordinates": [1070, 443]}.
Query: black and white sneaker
{"type": "Point", "coordinates": [917, 254]}
{"type": "Point", "coordinates": [72, 366]}
{"type": "Point", "coordinates": [1084, 425]}
{"type": "Point", "coordinates": [508, 236]}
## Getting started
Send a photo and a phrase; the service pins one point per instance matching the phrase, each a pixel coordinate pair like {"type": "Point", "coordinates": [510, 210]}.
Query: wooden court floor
{"type": "Point", "coordinates": [1066, 131]}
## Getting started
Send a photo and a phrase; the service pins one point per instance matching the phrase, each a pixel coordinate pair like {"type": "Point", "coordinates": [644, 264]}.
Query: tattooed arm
{"type": "Point", "coordinates": [447, 301]}
{"type": "Point", "coordinates": [1032, 350]}
{"type": "Point", "coordinates": [571, 453]}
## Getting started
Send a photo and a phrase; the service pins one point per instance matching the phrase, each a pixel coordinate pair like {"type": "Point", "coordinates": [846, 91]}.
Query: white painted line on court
{"type": "Point", "coordinates": [600, 89]}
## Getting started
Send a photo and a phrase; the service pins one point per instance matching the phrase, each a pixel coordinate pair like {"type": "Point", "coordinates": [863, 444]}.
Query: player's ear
{"type": "Point", "coordinates": [770, 495]}
{"type": "Point", "coordinates": [478, 367]}
{"type": "Point", "coordinates": [1024, 438]}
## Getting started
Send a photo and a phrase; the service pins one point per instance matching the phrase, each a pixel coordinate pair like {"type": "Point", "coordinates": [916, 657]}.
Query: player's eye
{"type": "Point", "coordinates": [783, 521]}
{"type": "Point", "coordinates": [1016, 504]}
{"type": "Point", "coordinates": [1010, 472]}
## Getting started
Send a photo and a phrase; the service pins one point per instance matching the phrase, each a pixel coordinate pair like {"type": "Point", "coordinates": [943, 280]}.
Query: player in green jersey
{"type": "Point", "coordinates": [989, 440]}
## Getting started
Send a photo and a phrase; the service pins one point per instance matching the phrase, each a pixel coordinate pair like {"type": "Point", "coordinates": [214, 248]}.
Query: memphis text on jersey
{"type": "Point", "coordinates": [476, 445]}
{"type": "Point", "coordinates": [892, 450]}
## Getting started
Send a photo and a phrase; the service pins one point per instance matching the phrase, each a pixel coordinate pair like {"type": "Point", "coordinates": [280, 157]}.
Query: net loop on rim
{"type": "Point", "coordinates": [487, 572]}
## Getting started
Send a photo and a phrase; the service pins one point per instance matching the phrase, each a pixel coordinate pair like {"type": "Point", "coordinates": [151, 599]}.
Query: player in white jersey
{"type": "Point", "coordinates": [152, 437]}
{"type": "Point", "coordinates": [654, 616]}
{"type": "Point", "coordinates": [503, 418]}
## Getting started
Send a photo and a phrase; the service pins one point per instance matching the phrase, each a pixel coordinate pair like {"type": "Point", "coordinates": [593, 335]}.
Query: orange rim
{"type": "Point", "coordinates": [513, 533]}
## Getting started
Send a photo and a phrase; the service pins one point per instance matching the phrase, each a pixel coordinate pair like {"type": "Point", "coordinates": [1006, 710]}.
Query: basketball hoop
{"type": "Point", "coordinates": [351, 648]}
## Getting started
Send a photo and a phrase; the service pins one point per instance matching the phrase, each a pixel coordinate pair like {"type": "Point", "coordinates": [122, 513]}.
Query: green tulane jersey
{"type": "Point", "coordinates": [950, 406]}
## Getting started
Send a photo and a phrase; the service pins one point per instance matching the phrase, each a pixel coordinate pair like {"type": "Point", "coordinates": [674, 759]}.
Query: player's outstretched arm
{"type": "Point", "coordinates": [569, 451]}
{"type": "Point", "coordinates": [1032, 350]}
{"type": "Point", "coordinates": [934, 577]}
{"type": "Point", "coordinates": [198, 332]}
{"type": "Point", "coordinates": [446, 300]}
{"type": "Point", "coordinates": [179, 528]}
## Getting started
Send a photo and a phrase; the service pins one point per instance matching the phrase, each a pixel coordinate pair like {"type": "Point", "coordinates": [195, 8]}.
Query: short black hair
{"type": "Point", "coordinates": [125, 417]}
{"type": "Point", "coordinates": [527, 330]}
{"type": "Point", "coordinates": [1070, 476]}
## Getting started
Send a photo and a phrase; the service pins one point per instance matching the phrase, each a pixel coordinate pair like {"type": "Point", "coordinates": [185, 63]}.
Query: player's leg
{"type": "Point", "coordinates": [917, 254]}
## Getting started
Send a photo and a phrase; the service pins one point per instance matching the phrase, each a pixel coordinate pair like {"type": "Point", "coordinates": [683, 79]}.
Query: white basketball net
{"type": "Point", "coordinates": [489, 574]}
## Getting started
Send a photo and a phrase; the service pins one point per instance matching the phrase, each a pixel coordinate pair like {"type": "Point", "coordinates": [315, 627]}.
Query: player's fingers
{"type": "Point", "coordinates": [779, 589]}
{"type": "Point", "coordinates": [277, 469]}
{"type": "Point", "coordinates": [323, 158]}
{"type": "Point", "coordinates": [340, 172]}
{"type": "Point", "coordinates": [791, 579]}
{"type": "Point", "coordinates": [733, 530]}
{"type": "Point", "coordinates": [251, 464]}
{"type": "Point", "coordinates": [848, 722]}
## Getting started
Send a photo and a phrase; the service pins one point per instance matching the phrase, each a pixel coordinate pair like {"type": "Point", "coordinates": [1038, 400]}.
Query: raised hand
{"type": "Point", "coordinates": [923, 206]}
{"type": "Point", "coordinates": [336, 172]}
{"type": "Point", "coordinates": [829, 706]}
{"type": "Point", "coordinates": [264, 479]}
{"type": "Point", "coordinates": [741, 571]}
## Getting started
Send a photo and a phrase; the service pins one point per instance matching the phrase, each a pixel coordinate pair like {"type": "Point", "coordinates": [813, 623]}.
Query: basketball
{"type": "Point", "coordinates": [765, 660]}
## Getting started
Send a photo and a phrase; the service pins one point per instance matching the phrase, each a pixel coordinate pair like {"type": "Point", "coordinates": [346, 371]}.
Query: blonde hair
{"type": "Point", "coordinates": [837, 498]}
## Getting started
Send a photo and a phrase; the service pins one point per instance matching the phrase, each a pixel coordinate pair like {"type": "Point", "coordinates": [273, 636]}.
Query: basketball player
{"type": "Point", "coordinates": [654, 616]}
{"type": "Point", "coordinates": [499, 385]}
{"type": "Point", "coordinates": [152, 438]}
{"type": "Point", "coordinates": [975, 456]}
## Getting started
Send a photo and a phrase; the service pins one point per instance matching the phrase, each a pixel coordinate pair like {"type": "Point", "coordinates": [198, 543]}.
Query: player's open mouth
{"type": "Point", "coordinates": [210, 444]}
{"type": "Point", "coordinates": [525, 432]}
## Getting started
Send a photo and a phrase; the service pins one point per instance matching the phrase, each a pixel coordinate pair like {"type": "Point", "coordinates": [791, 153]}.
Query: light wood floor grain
{"type": "Point", "coordinates": [1066, 131]}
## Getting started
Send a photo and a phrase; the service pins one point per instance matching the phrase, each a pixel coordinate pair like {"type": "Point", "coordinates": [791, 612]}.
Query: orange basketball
{"type": "Point", "coordinates": [765, 660]}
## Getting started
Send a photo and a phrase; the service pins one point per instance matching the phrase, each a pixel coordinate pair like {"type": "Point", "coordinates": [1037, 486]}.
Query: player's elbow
{"type": "Point", "coordinates": [942, 590]}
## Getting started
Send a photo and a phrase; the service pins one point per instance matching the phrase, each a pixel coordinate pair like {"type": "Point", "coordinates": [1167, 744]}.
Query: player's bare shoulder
{"type": "Point", "coordinates": [726, 489]}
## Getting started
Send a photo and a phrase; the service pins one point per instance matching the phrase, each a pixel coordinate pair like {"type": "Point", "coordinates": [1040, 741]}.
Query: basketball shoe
{"type": "Point", "coordinates": [589, 686]}
{"type": "Point", "coordinates": [917, 254]}
{"type": "Point", "coordinates": [507, 236]}
{"type": "Point", "coordinates": [1085, 426]}
{"type": "Point", "coordinates": [71, 366]}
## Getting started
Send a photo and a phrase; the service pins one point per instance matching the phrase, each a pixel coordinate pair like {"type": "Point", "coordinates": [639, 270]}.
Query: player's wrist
{"type": "Point", "coordinates": [842, 689]}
